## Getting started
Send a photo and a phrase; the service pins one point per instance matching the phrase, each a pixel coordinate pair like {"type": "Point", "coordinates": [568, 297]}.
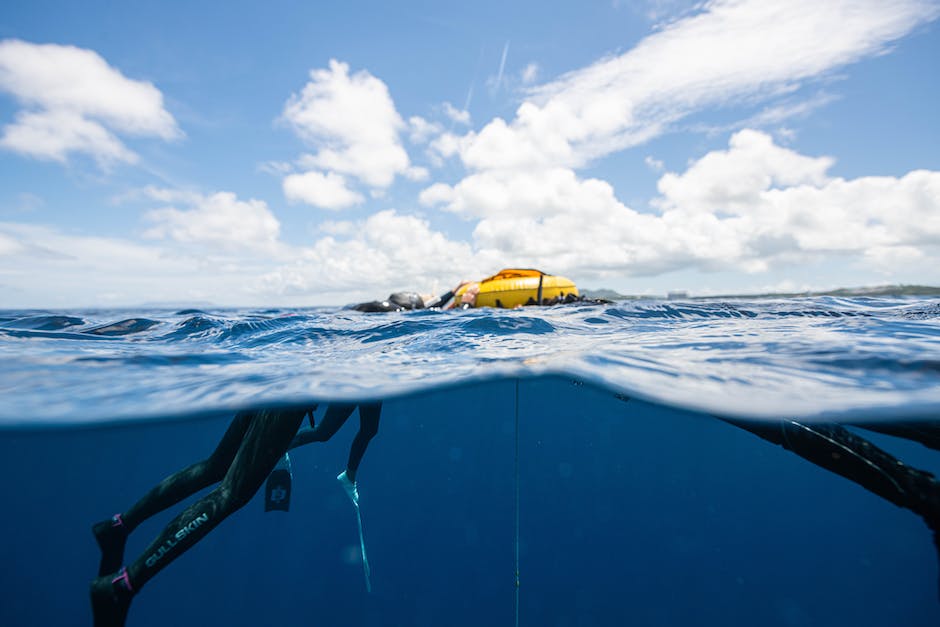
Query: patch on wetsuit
{"type": "Point", "coordinates": [277, 489]}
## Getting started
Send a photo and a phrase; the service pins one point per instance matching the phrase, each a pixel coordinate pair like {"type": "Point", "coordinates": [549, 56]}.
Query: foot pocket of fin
{"type": "Point", "coordinates": [277, 489]}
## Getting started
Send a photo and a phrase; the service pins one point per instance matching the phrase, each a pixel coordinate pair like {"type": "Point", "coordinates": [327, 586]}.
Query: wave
{"type": "Point", "coordinates": [809, 357]}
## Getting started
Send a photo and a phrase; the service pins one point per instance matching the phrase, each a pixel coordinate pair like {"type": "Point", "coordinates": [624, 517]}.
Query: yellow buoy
{"type": "Point", "coordinates": [514, 287]}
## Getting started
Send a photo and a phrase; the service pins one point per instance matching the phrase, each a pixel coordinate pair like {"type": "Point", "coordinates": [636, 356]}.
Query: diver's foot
{"type": "Point", "coordinates": [350, 487]}
{"type": "Point", "coordinates": [111, 535]}
{"type": "Point", "coordinates": [111, 598]}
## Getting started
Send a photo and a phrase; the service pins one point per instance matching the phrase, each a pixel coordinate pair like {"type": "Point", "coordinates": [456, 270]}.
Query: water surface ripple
{"type": "Point", "coordinates": [812, 357]}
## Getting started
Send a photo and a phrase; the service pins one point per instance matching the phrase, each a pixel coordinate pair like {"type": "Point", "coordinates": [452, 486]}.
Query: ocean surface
{"type": "Point", "coordinates": [601, 450]}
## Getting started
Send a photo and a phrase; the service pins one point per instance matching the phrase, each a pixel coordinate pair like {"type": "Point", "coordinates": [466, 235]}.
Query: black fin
{"type": "Point", "coordinates": [277, 489]}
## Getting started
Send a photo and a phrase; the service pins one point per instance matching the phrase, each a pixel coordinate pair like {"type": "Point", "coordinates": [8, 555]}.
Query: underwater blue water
{"type": "Point", "coordinates": [636, 503]}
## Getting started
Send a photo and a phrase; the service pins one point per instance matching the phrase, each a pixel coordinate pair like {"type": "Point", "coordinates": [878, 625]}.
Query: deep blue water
{"type": "Point", "coordinates": [637, 504]}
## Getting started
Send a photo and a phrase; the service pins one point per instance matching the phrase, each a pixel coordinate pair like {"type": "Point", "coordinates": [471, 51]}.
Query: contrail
{"type": "Point", "coordinates": [466, 104]}
{"type": "Point", "coordinates": [502, 66]}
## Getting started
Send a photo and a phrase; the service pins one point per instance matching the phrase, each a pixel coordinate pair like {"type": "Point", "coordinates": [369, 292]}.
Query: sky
{"type": "Point", "coordinates": [297, 153]}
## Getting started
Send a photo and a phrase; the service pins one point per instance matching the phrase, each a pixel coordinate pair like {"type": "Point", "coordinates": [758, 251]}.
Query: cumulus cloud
{"type": "Point", "coordinates": [75, 102]}
{"type": "Point", "coordinates": [795, 213]}
{"type": "Point", "coordinates": [744, 208]}
{"type": "Point", "coordinates": [732, 180]}
{"type": "Point", "coordinates": [385, 251]}
{"type": "Point", "coordinates": [741, 209]}
{"type": "Point", "coordinates": [351, 121]}
{"type": "Point", "coordinates": [729, 51]}
{"type": "Point", "coordinates": [219, 221]}
{"type": "Point", "coordinates": [327, 191]}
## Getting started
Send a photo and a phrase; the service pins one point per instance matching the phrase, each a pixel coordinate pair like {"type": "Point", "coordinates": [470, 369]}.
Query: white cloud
{"type": "Point", "coordinates": [75, 102]}
{"type": "Point", "coordinates": [740, 209]}
{"type": "Point", "coordinates": [386, 251]}
{"type": "Point", "coordinates": [219, 221]}
{"type": "Point", "coordinates": [659, 10]}
{"type": "Point", "coordinates": [460, 116]}
{"type": "Point", "coordinates": [745, 208]}
{"type": "Point", "coordinates": [54, 134]}
{"type": "Point", "coordinates": [732, 50]}
{"type": "Point", "coordinates": [654, 164]}
{"type": "Point", "coordinates": [447, 145]}
{"type": "Point", "coordinates": [529, 73]}
{"type": "Point", "coordinates": [9, 245]}
{"type": "Point", "coordinates": [351, 121]}
{"type": "Point", "coordinates": [732, 180]}
{"type": "Point", "coordinates": [548, 192]}
{"type": "Point", "coordinates": [784, 111]}
{"type": "Point", "coordinates": [328, 191]}
{"type": "Point", "coordinates": [420, 130]}
{"type": "Point", "coordinates": [221, 249]}
{"type": "Point", "coordinates": [417, 174]}
{"type": "Point", "coordinates": [60, 269]}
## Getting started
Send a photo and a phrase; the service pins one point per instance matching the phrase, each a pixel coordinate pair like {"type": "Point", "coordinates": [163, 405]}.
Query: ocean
{"type": "Point", "coordinates": [636, 463]}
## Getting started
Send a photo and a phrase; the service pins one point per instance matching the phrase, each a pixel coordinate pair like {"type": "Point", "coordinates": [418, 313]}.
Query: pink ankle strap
{"type": "Point", "coordinates": [117, 521]}
{"type": "Point", "coordinates": [123, 576]}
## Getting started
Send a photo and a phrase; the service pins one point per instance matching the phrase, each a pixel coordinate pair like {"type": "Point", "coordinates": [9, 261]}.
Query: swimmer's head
{"type": "Point", "coordinates": [407, 300]}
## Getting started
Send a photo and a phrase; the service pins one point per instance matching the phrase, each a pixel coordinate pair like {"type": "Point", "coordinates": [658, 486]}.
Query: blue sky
{"type": "Point", "coordinates": [290, 154]}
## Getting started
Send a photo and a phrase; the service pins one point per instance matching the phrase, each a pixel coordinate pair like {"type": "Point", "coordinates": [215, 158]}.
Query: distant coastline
{"type": "Point", "coordinates": [879, 290]}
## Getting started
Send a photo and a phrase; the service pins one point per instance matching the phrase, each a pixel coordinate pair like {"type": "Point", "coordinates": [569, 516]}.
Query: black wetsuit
{"type": "Point", "coordinates": [403, 301]}
{"type": "Point", "coordinates": [838, 450]}
{"type": "Point", "coordinates": [336, 416]}
{"type": "Point", "coordinates": [241, 462]}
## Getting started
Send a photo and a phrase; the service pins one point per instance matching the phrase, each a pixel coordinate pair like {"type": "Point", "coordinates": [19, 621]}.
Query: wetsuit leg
{"type": "Point", "coordinates": [267, 437]}
{"type": "Point", "coordinates": [837, 449]}
{"type": "Point", "coordinates": [190, 480]}
{"type": "Point", "coordinates": [111, 534]}
{"type": "Point", "coordinates": [927, 432]}
{"type": "Point", "coordinates": [368, 426]}
{"type": "Point", "coordinates": [336, 416]}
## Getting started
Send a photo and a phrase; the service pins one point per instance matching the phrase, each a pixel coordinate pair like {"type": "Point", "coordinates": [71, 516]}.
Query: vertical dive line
{"type": "Point", "coordinates": [517, 507]}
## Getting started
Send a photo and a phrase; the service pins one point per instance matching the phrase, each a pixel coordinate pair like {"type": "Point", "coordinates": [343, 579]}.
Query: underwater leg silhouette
{"type": "Point", "coordinates": [838, 450]}
{"type": "Point", "coordinates": [244, 458]}
{"type": "Point", "coordinates": [336, 416]}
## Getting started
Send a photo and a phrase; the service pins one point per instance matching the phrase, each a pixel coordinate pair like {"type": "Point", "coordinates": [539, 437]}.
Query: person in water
{"type": "Point", "coordinates": [335, 417]}
{"type": "Point", "coordinates": [243, 459]}
{"type": "Point", "coordinates": [841, 451]}
{"type": "Point", "coordinates": [408, 301]}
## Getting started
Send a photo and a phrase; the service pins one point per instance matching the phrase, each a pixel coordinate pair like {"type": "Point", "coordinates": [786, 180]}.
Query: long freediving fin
{"type": "Point", "coordinates": [353, 493]}
{"type": "Point", "coordinates": [277, 489]}
{"type": "Point", "coordinates": [366, 569]}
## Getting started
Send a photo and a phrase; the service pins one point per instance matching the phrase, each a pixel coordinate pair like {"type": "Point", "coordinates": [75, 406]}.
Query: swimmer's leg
{"type": "Point", "coordinates": [112, 533]}
{"type": "Point", "coordinates": [368, 427]}
{"type": "Point", "coordinates": [268, 436]}
{"type": "Point", "coordinates": [927, 432]}
{"type": "Point", "coordinates": [336, 416]}
{"type": "Point", "coordinates": [369, 414]}
{"type": "Point", "coordinates": [839, 450]}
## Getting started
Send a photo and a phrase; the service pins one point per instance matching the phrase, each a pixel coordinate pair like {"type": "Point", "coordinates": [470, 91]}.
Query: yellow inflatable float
{"type": "Point", "coordinates": [514, 287]}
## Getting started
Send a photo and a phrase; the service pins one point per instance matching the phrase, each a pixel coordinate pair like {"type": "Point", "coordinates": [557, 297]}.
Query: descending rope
{"type": "Point", "coordinates": [517, 506]}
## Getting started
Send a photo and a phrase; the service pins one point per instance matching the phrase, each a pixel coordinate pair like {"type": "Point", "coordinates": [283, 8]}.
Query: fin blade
{"type": "Point", "coordinates": [278, 487]}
